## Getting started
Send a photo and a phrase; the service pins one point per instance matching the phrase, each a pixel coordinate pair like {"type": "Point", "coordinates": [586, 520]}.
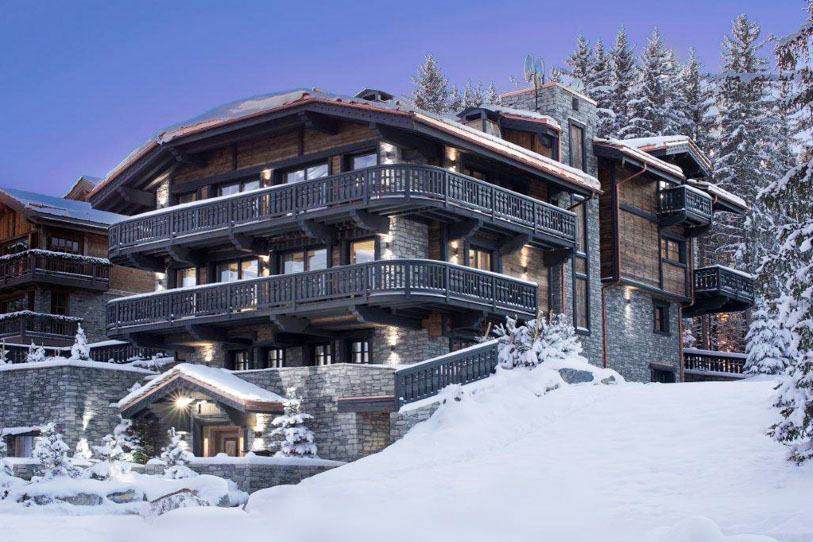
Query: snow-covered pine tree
{"type": "Point", "coordinates": [80, 351]}
{"type": "Point", "coordinates": [291, 436]}
{"type": "Point", "coordinates": [555, 75]}
{"type": "Point", "coordinates": [430, 92]}
{"type": "Point", "coordinates": [655, 102]}
{"type": "Point", "coordinates": [600, 89]}
{"type": "Point", "coordinates": [473, 96]}
{"type": "Point", "coordinates": [559, 340]}
{"type": "Point", "coordinates": [794, 257]}
{"type": "Point", "coordinates": [698, 101]}
{"type": "Point", "coordinates": [581, 64]}
{"type": "Point", "coordinates": [128, 439]}
{"type": "Point", "coordinates": [82, 450]}
{"type": "Point", "coordinates": [624, 77]}
{"type": "Point", "coordinates": [35, 354]}
{"type": "Point", "coordinates": [175, 456]}
{"type": "Point", "coordinates": [51, 453]}
{"type": "Point", "coordinates": [770, 344]}
{"type": "Point", "coordinates": [492, 97]}
{"type": "Point", "coordinates": [455, 101]}
{"type": "Point", "coordinates": [3, 353]}
{"type": "Point", "coordinates": [536, 341]}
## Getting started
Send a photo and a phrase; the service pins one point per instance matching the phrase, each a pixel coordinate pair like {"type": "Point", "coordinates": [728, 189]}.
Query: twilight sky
{"type": "Point", "coordinates": [83, 83]}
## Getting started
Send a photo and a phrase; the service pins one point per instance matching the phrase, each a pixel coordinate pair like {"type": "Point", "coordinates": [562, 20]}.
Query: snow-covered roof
{"type": "Point", "coordinates": [720, 194]}
{"type": "Point", "coordinates": [56, 208]}
{"type": "Point", "coordinates": [637, 154]}
{"type": "Point", "coordinates": [674, 144]}
{"type": "Point", "coordinates": [523, 114]}
{"type": "Point", "coordinates": [220, 383]}
{"type": "Point", "coordinates": [259, 105]}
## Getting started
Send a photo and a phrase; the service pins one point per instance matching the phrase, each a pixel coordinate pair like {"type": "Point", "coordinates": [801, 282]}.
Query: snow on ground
{"type": "Point", "coordinates": [661, 463]}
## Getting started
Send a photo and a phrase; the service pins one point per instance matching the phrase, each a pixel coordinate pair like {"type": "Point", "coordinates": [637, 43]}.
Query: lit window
{"type": "Point", "coordinates": [238, 270]}
{"type": "Point", "coordinates": [249, 269]}
{"type": "Point", "coordinates": [671, 250]}
{"type": "Point", "coordinates": [187, 198]}
{"type": "Point", "coordinates": [304, 260]}
{"type": "Point", "coordinates": [362, 251]}
{"type": "Point", "coordinates": [323, 354]}
{"type": "Point", "coordinates": [276, 358]}
{"type": "Point", "coordinates": [186, 277]}
{"type": "Point", "coordinates": [242, 360]}
{"type": "Point", "coordinates": [480, 259]}
{"type": "Point", "coordinates": [360, 351]}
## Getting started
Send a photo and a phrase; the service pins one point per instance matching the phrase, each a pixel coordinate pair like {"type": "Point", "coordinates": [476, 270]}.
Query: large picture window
{"type": "Point", "coordinates": [480, 258]}
{"type": "Point", "coordinates": [63, 244]}
{"type": "Point", "coordinates": [238, 270]}
{"type": "Point", "coordinates": [303, 260]}
{"type": "Point", "coordinates": [362, 251]}
{"type": "Point", "coordinates": [307, 173]}
{"type": "Point", "coordinates": [361, 161]}
{"type": "Point", "coordinates": [238, 186]}
{"type": "Point", "coordinates": [187, 277]}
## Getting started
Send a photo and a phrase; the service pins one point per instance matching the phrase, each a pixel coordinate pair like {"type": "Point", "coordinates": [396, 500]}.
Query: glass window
{"type": "Point", "coordinates": [251, 185]}
{"type": "Point", "coordinates": [237, 187]}
{"type": "Point", "coordinates": [59, 302]}
{"type": "Point", "coordinates": [317, 259]}
{"type": "Point", "coordinates": [317, 171]}
{"type": "Point", "coordinates": [13, 305]}
{"type": "Point", "coordinates": [242, 360]}
{"type": "Point", "coordinates": [307, 173]}
{"type": "Point", "coordinates": [187, 198]}
{"type": "Point", "coordinates": [323, 354]}
{"type": "Point", "coordinates": [276, 358]}
{"type": "Point", "coordinates": [304, 260]}
{"type": "Point", "coordinates": [293, 262]}
{"type": "Point", "coordinates": [295, 176]}
{"type": "Point", "coordinates": [228, 272]}
{"type": "Point", "coordinates": [23, 446]}
{"type": "Point", "coordinates": [362, 251]}
{"type": "Point", "coordinates": [186, 277]}
{"type": "Point", "coordinates": [61, 244]}
{"type": "Point", "coordinates": [581, 227]}
{"type": "Point", "coordinates": [249, 269]}
{"type": "Point", "coordinates": [363, 160]}
{"type": "Point", "coordinates": [360, 351]}
{"type": "Point", "coordinates": [671, 250]}
{"type": "Point", "coordinates": [661, 318]}
{"type": "Point", "coordinates": [581, 302]}
{"type": "Point", "coordinates": [480, 259]}
{"type": "Point", "coordinates": [577, 147]}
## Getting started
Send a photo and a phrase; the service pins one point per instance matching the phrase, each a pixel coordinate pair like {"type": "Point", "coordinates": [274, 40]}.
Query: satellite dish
{"type": "Point", "coordinates": [530, 72]}
{"type": "Point", "coordinates": [539, 69]}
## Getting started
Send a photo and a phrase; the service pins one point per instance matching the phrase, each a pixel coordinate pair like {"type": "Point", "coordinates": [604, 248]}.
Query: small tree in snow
{"type": "Point", "coordinates": [80, 349]}
{"type": "Point", "coordinates": [51, 453]}
{"type": "Point", "coordinates": [35, 354]}
{"type": "Point", "coordinates": [294, 438]}
{"type": "Point", "coordinates": [3, 353]}
{"type": "Point", "coordinates": [688, 338]}
{"type": "Point", "coordinates": [5, 466]}
{"type": "Point", "coordinates": [82, 450]}
{"type": "Point", "coordinates": [536, 341]}
{"type": "Point", "coordinates": [176, 458]}
{"type": "Point", "coordinates": [770, 345]}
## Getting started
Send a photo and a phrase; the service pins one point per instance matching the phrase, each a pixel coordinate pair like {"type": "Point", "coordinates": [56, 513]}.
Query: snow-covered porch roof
{"type": "Point", "coordinates": [219, 385]}
{"type": "Point", "coordinates": [676, 145]}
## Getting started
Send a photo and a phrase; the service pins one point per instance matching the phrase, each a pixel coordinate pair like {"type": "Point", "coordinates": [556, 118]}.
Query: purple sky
{"type": "Point", "coordinates": [83, 83]}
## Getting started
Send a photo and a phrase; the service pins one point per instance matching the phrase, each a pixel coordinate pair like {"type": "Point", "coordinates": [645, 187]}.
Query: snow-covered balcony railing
{"type": "Point", "coordinates": [383, 190]}
{"type": "Point", "coordinates": [684, 205]}
{"type": "Point", "coordinates": [427, 378]}
{"type": "Point", "coordinates": [700, 362]}
{"type": "Point", "coordinates": [410, 285]}
{"type": "Point", "coordinates": [59, 268]}
{"type": "Point", "coordinates": [105, 351]}
{"type": "Point", "coordinates": [27, 326]}
{"type": "Point", "coordinates": [720, 289]}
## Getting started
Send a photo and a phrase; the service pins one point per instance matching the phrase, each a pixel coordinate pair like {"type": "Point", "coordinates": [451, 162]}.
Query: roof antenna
{"type": "Point", "coordinates": [535, 73]}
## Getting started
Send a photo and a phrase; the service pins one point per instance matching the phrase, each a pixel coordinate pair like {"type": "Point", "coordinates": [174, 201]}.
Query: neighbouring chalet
{"type": "Point", "coordinates": [54, 271]}
{"type": "Point", "coordinates": [355, 247]}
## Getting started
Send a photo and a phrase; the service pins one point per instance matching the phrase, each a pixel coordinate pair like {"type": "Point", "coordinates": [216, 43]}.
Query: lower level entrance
{"type": "Point", "coordinates": [223, 439]}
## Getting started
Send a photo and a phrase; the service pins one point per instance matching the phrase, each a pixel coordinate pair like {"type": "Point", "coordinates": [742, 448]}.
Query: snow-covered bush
{"type": "Point", "coordinates": [51, 453]}
{"type": "Point", "coordinates": [176, 458]}
{"type": "Point", "coordinates": [82, 450]}
{"type": "Point", "coordinates": [536, 341]}
{"type": "Point", "coordinates": [3, 353]}
{"type": "Point", "coordinates": [688, 338]}
{"type": "Point", "coordinates": [80, 349]}
{"type": "Point", "coordinates": [293, 438]}
{"type": "Point", "coordinates": [35, 354]}
{"type": "Point", "coordinates": [770, 345]}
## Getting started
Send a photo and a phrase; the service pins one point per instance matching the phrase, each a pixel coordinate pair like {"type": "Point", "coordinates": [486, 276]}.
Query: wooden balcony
{"type": "Point", "coordinates": [388, 292]}
{"type": "Point", "coordinates": [686, 206]}
{"type": "Point", "coordinates": [711, 365]}
{"type": "Point", "coordinates": [362, 198]}
{"type": "Point", "coordinates": [54, 268]}
{"type": "Point", "coordinates": [25, 327]}
{"type": "Point", "coordinates": [720, 289]}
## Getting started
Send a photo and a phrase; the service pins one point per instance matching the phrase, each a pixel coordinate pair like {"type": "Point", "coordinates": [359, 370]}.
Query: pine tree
{"type": "Point", "coordinates": [473, 96]}
{"type": "Point", "coordinates": [294, 439]}
{"type": "Point", "coordinates": [698, 101]}
{"type": "Point", "coordinates": [51, 453]}
{"type": "Point", "coordinates": [35, 354]}
{"type": "Point", "coordinates": [82, 450]}
{"type": "Point", "coordinates": [655, 103]}
{"type": "Point", "coordinates": [430, 92]}
{"type": "Point", "coordinates": [455, 101]}
{"type": "Point", "coordinates": [80, 351]}
{"type": "Point", "coordinates": [581, 64]}
{"type": "Point", "coordinates": [600, 85]}
{"type": "Point", "coordinates": [794, 257]}
{"type": "Point", "coordinates": [770, 345]}
{"type": "Point", "coordinates": [3, 353]}
{"type": "Point", "coordinates": [175, 456]}
{"type": "Point", "coordinates": [624, 77]}
{"type": "Point", "coordinates": [492, 97]}
{"type": "Point", "coordinates": [536, 341]}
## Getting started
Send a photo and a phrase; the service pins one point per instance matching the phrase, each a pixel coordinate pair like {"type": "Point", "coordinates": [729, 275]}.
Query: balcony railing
{"type": "Point", "coordinates": [722, 280]}
{"type": "Point", "coordinates": [415, 283]}
{"type": "Point", "coordinates": [698, 361]}
{"type": "Point", "coordinates": [372, 188]}
{"type": "Point", "coordinates": [55, 268]}
{"type": "Point", "coordinates": [105, 352]}
{"type": "Point", "coordinates": [684, 204]}
{"type": "Point", "coordinates": [34, 326]}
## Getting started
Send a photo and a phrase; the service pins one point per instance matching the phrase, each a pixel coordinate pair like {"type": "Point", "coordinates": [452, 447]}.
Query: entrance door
{"type": "Point", "coordinates": [222, 439]}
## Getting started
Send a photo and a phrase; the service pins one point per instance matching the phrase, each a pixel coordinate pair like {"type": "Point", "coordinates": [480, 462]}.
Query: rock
{"type": "Point", "coordinates": [82, 499]}
{"type": "Point", "coordinates": [609, 380]}
{"type": "Point", "coordinates": [575, 376]}
{"type": "Point", "coordinates": [120, 497]}
{"type": "Point", "coordinates": [182, 498]}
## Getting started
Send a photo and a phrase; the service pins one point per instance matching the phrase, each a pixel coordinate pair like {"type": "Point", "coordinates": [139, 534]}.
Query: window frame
{"type": "Point", "coordinates": [665, 239]}
{"type": "Point", "coordinates": [347, 162]}
{"type": "Point", "coordinates": [241, 184]}
{"type": "Point", "coordinates": [178, 270]}
{"type": "Point", "coordinates": [660, 325]}
{"type": "Point", "coordinates": [581, 254]}
{"type": "Point", "coordinates": [474, 247]}
{"type": "Point", "coordinates": [283, 175]}
{"type": "Point", "coordinates": [66, 239]}
{"type": "Point", "coordinates": [329, 354]}
{"type": "Point", "coordinates": [349, 249]}
{"type": "Point", "coordinates": [279, 360]}
{"type": "Point", "coordinates": [55, 308]}
{"type": "Point", "coordinates": [246, 365]}
{"type": "Point", "coordinates": [306, 267]}
{"type": "Point", "coordinates": [239, 262]}
{"type": "Point", "coordinates": [573, 123]}
{"type": "Point", "coordinates": [365, 353]}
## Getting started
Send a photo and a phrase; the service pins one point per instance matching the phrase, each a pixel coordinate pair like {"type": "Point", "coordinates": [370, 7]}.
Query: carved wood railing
{"type": "Point", "coordinates": [397, 181]}
{"type": "Point", "coordinates": [43, 263]}
{"type": "Point", "coordinates": [103, 352]}
{"type": "Point", "coordinates": [685, 198]}
{"type": "Point", "coordinates": [711, 361]}
{"type": "Point", "coordinates": [427, 378]}
{"type": "Point", "coordinates": [27, 325]}
{"type": "Point", "coordinates": [725, 281]}
{"type": "Point", "coordinates": [345, 285]}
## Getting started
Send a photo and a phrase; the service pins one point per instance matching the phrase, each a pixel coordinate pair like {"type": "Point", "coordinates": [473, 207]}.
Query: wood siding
{"type": "Point", "coordinates": [528, 140]}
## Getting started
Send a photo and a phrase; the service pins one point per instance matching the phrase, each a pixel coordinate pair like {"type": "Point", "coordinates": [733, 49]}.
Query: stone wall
{"type": "Point", "coordinates": [75, 397]}
{"type": "Point", "coordinates": [398, 345]}
{"type": "Point", "coordinates": [401, 422]}
{"type": "Point", "coordinates": [345, 436]}
{"type": "Point", "coordinates": [632, 343]}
